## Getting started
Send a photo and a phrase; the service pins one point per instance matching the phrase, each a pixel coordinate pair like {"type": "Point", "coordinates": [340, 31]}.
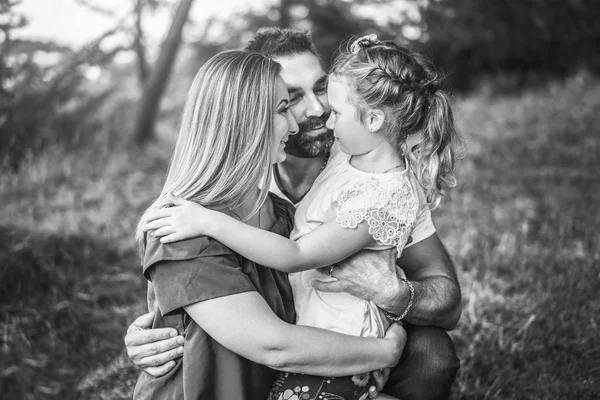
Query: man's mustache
{"type": "Point", "coordinates": [311, 123]}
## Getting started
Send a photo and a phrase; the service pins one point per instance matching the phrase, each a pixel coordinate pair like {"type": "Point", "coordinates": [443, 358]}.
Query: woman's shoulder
{"type": "Point", "coordinates": [189, 249]}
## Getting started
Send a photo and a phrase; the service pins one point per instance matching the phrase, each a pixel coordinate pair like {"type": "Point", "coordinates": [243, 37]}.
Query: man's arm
{"type": "Point", "coordinates": [428, 267]}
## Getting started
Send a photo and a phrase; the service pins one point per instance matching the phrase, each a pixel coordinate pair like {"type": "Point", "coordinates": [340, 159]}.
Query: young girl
{"type": "Point", "coordinates": [394, 152]}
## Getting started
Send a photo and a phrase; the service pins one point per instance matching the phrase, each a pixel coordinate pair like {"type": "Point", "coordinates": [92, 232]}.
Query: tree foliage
{"type": "Point", "coordinates": [526, 38]}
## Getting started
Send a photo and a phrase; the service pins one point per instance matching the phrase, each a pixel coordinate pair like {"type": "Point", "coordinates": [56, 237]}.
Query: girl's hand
{"type": "Point", "coordinates": [184, 220]}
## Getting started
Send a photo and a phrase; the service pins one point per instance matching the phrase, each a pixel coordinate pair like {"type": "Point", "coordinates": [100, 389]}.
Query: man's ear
{"type": "Point", "coordinates": [375, 120]}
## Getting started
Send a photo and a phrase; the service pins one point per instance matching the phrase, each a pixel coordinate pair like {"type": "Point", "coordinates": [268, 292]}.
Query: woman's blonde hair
{"type": "Point", "coordinates": [223, 148]}
{"type": "Point", "coordinates": [419, 121]}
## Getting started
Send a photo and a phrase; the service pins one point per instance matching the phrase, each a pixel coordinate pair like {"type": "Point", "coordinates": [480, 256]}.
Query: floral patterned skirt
{"type": "Point", "coordinates": [292, 386]}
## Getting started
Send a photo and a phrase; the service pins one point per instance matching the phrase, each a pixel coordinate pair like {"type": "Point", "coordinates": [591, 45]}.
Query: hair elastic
{"type": "Point", "coordinates": [364, 42]}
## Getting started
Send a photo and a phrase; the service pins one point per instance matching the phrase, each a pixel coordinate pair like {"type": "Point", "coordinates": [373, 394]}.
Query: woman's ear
{"type": "Point", "coordinates": [375, 120]}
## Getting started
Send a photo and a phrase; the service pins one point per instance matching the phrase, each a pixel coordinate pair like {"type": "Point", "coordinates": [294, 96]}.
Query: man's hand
{"type": "Point", "coordinates": [373, 276]}
{"type": "Point", "coordinates": [153, 350]}
{"type": "Point", "coordinates": [369, 275]}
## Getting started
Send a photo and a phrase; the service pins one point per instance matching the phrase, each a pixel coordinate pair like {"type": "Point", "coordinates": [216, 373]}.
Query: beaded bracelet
{"type": "Point", "coordinates": [396, 318]}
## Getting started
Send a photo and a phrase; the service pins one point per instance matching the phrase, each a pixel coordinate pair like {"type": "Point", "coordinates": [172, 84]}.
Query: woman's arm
{"type": "Point", "coordinates": [325, 245]}
{"type": "Point", "coordinates": [245, 324]}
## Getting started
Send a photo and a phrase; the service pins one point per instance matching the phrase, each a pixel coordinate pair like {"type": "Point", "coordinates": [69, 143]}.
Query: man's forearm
{"type": "Point", "coordinates": [430, 270]}
{"type": "Point", "coordinates": [374, 276]}
{"type": "Point", "coordinates": [436, 301]}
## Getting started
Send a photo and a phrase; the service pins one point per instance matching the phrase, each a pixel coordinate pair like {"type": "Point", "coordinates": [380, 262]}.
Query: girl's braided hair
{"type": "Point", "coordinates": [419, 120]}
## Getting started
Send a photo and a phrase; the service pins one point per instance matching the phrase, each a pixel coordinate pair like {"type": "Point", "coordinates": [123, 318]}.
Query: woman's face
{"type": "Point", "coordinates": [284, 123]}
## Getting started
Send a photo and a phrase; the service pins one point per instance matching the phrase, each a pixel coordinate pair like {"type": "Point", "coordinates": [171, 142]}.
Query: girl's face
{"type": "Point", "coordinates": [354, 137]}
{"type": "Point", "coordinates": [284, 123]}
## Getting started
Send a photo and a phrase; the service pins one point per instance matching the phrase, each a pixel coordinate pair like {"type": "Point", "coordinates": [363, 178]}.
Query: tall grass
{"type": "Point", "coordinates": [522, 226]}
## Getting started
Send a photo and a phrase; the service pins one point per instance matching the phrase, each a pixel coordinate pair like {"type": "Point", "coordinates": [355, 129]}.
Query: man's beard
{"type": "Point", "coordinates": [305, 146]}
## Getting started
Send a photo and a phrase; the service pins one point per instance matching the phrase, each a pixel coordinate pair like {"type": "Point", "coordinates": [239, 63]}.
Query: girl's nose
{"type": "Point", "coordinates": [329, 124]}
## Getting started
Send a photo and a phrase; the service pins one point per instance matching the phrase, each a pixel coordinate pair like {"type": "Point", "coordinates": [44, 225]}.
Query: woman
{"type": "Point", "coordinates": [237, 317]}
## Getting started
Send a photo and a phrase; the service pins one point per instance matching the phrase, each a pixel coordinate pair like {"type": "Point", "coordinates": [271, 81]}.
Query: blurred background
{"type": "Point", "coordinates": [90, 96]}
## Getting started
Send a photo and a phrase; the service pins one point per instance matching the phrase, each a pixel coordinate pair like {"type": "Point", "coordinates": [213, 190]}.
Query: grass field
{"type": "Point", "coordinates": [522, 225]}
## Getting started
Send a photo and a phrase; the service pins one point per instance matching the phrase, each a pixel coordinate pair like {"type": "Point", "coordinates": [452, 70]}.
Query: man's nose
{"type": "Point", "coordinates": [292, 124]}
{"type": "Point", "coordinates": [314, 107]}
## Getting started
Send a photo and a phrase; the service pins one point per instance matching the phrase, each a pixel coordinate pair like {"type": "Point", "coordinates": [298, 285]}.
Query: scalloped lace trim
{"type": "Point", "coordinates": [390, 209]}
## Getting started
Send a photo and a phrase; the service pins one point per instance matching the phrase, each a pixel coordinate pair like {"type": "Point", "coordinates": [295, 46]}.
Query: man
{"type": "Point", "coordinates": [429, 302]}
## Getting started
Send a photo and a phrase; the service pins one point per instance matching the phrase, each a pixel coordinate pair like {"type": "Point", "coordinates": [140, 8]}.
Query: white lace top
{"type": "Point", "coordinates": [388, 202]}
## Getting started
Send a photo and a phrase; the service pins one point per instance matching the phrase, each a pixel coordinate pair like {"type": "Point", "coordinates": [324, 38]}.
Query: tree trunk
{"type": "Point", "coordinates": [157, 82]}
{"type": "Point", "coordinates": [138, 44]}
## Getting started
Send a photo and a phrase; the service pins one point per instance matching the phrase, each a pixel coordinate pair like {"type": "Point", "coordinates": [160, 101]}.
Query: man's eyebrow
{"type": "Point", "coordinates": [294, 90]}
{"type": "Point", "coordinates": [322, 80]}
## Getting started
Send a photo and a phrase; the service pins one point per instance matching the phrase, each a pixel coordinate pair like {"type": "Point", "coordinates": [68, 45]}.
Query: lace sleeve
{"type": "Point", "coordinates": [389, 206]}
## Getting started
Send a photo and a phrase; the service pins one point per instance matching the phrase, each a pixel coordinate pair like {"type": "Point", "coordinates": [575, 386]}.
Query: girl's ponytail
{"type": "Point", "coordinates": [432, 152]}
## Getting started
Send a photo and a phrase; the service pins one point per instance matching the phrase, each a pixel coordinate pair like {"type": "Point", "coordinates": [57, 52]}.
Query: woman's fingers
{"type": "Point", "coordinates": [373, 392]}
{"type": "Point", "coordinates": [381, 377]}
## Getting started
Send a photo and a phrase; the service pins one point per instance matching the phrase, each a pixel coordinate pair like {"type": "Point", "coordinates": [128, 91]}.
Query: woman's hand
{"type": "Point", "coordinates": [381, 377]}
{"type": "Point", "coordinates": [396, 335]}
{"type": "Point", "coordinates": [152, 350]}
{"type": "Point", "coordinates": [184, 220]}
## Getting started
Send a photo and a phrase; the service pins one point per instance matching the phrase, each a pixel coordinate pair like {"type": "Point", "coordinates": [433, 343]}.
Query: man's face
{"type": "Point", "coordinates": [306, 82]}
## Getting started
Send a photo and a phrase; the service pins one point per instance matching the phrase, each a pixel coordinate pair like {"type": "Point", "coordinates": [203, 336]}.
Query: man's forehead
{"type": "Point", "coordinates": [300, 70]}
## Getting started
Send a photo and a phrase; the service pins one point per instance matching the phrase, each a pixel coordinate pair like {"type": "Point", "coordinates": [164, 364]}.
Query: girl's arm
{"type": "Point", "coordinates": [325, 245]}
{"type": "Point", "coordinates": [246, 325]}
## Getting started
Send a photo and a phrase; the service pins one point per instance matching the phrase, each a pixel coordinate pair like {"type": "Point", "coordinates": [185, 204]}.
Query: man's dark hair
{"type": "Point", "coordinates": [273, 42]}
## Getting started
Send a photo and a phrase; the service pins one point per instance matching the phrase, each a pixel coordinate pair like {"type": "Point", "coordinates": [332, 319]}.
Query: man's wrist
{"type": "Point", "coordinates": [392, 316]}
{"type": "Point", "coordinates": [393, 295]}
